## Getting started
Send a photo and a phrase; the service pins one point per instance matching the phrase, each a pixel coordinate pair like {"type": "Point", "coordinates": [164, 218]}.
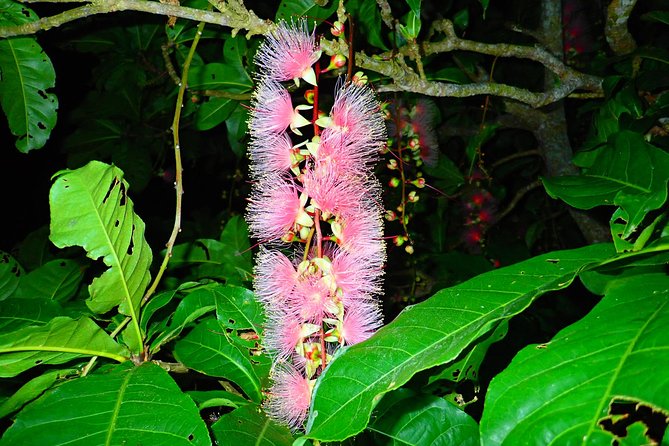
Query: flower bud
{"type": "Point", "coordinates": [337, 28]}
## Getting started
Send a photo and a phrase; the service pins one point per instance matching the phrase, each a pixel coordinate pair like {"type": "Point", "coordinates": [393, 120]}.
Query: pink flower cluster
{"type": "Point", "coordinates": [316, 210]}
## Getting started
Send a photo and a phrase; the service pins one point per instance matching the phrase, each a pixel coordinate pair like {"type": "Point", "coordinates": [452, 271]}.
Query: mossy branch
{"type": "Point", "coordinates": [617, 35]}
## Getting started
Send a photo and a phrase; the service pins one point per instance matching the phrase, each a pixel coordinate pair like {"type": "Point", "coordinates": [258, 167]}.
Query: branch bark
{"type": "Point", "coordinates": [617, 35]}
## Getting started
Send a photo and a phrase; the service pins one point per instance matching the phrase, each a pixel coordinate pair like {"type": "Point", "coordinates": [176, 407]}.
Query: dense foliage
{"type": "Point", "coordinates": [525, 194]}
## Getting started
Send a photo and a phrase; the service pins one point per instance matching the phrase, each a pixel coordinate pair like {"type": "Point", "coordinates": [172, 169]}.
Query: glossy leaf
{"type": "Point", "coordinates": [434, 332]}
{"type": "Point", "coordinates": [90, 207]}
{"type": "Point", "coordinates": [237, 130]}
{"type": "Point", "coordinates": [562, 391]}
{"type": "Point", "coordinates": [629, 173]}
{"type": "Point", "coordinates": [33, 389]}
{"type": "Point", "coordinates": [19, 313]}
{"type": "Point", "coordinates": [58, 280]}
{"type": "Point", "coordinates": [10, 275]}
{"type": "Point", "coordinates": [214, 112]}
{"type": "Point", "coordinates": [59, 341]}
{"type": "Point", "coordinates": [406, 418]}
{"type": "Point", "coordinates": [368, 18]}
{"type": "Point", "coordinates": [216, 398]}
{"type": "Point", "coordinates": [127, 405]}
{"type": "Point", "coordinates": [247, 425]}
{"type": "Point", "coordinates": [208, 350]}
{"type": "Point", "coordinates": [27, 75]}
{"type": "Point", "coordinates": [236, 308]}
{"type": "Point", "coordinates": [293, 9]}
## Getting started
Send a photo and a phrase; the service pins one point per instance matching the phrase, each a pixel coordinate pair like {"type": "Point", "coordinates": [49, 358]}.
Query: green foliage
{"type": "Point", "coordinates": [504, 326]}
{"type": "Point", "coordinates": [26, 76]}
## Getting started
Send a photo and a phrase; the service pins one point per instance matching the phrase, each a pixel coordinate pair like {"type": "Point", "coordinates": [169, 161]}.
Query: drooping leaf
{"type": "Point", "coordinates": [10, 275]}
{"type": "Point", "coordinates": [293, 9]}
{"type": "Point", "coordinates": [208, 350]}
{"type": "Point", "coordinates": [27, 75]}
{"type": "Point", "coordinates": [561, 391]}
{"type": "Point", "coordinates": [58, 280]}
{"type": "Point", "coordinates": [433, 332]}
{"type": "Point", "coordinates": [59, 341]}
{"type": "Point", "coordinates": [247, 425]}
{"type": "Point", "coordinates": [629, 173]}
{"type": "Point", "coordinates": [406, 418]}
{"type": "Point", "coordinates": [127, 405]}
{"type": "Point", "coordinates": [18, 313]}
{"type": "Point", "coordinates": [214, 112]}
{"type": "Point", "coordinates": [33, 389]}
{"type": "Point", "coordinates": [90, 207]}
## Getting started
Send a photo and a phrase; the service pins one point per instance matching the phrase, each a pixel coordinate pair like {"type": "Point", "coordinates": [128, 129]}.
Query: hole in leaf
{"type": "Point", "coordinates": [191, 437]}
{"type": "Point", "coordinates": [25, 12]}
{"type": "Point", "coordinates": [553, 261]}
{"type": "Point", "coordinates": [41, 126]}
{"type": "Point", "coordinates": [62, 264]}
{"type": "Point", "coordinates": [43, 94]}
{"type": "Point", "coordinates": [38, 362]}
{"type": "Point", "coordinates": [456, 373]}
{"type": "Point", "coordinates": [624, 415]}
{"type": "Point", "coordinates": [111, 188]}
{"type": "Point", "coordinates": [231, 321]}
{"type": "Point", "coordinates": [116, 223]}
{"type": "Point", "coordinates": [123, 195]}
{"type": "Point", "coordinates": [131, 245]}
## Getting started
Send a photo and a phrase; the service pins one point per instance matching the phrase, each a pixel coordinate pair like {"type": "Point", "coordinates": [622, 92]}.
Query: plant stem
{"type": "Point", "coordinates": [178, 182]}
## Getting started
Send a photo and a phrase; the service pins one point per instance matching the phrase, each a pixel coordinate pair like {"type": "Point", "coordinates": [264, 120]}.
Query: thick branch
{"type": "Point", "coordinates": [617, 34]}
{"type": "Point", "coordinates": [231, 15]}
{"type": "Point", "coordinates": [405, 79]}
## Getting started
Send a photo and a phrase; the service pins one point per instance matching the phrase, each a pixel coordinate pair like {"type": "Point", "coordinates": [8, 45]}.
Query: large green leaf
{"type": "Point", "coordinates": [368, 18]}
{"type": "Point", "coordinates": [562, 390]}
{"type": "Point", "coordinates": [26, 73]}
{"type": "Point", "coordinates": [58, 280]}
{"type": "Point", "coordinates": [431, 333]}
{"type": "Point", "coordinates": [237, 308]}
{"type": "Point", "coordinates": [59, 341]}
{"type": "Point", "coordinates": [33, 389]}
{"type": "Point", "coordinates": [208, 350]}
{"type": "Point", "coordinates": [10, 275]}
{"type": "Point", "coordinates": [90, 207]}
{"type": "Point", "coordinates": [248, 426]}
{"type": "Point", "coordinates": [629, 172]}
{"type": "Point", "coordinates": [406, 418]}
{"type": "Point", "coordinates": [18, 313]}
{"type": "Point", "coordinates": [126, 406]}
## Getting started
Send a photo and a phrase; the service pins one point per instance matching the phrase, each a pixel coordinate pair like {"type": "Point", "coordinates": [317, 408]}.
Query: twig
{"type": "Point", "coordinates": [516, 198]}
{"type": "Point", "coordinates": [178, 183]}
{"type": "Point", "coordinates": [506, 159]}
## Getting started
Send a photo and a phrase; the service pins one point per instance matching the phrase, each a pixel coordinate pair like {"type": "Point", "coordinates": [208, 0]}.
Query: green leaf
{"type": "Point", "coordinates": [219, 76]}
{"type": "Point", "coordinates": [228, 259]}
{"type": "Point", "coordinates": [293, 9]}
{"type": "Point", "coordinates": [562, 391]}
{"type": "Point", "coordinates": [128, 405]}
{"type": "Point", "coordinates": [237, 130]}
{"type": "Point", "coordinates": [10, 275]}
{"type": "Point", "coordinates": [248, 426]}
{"type": "Point", "coordinates": [90, 207]}
{"type": "Point", "coordinates": [368, 18]}
{"type": "Point", "coordinates": [415, 6]}
{"type": "Point", "coordinates": [406, 418]}
{"type": "Point", "coordinates": [216, 398]}
{"type": "Point", "coordinates": [213, 112]}
{"type": "Point", "coordinates": [58, 280]}
{"type": "Point", "coordinates": [59, 341]}
{"type": "Point", "coordinates": [208, 350]}
{"type": "Point", "coordinates": [237, 308]}
{"type": "Point", "coordinates": [18, 313]}
{"type": "Point", "coordinates": [434, 332]}
{"type": "Point", "coordinates": [657, 16]}
{"type": "Point", "coordinates": [629, 173]}
{"type": "Point", "coordinates": [26, 76]}
{"type": "Point", "coordinates": [34, 249]}
{"type": "Point", "coordinates": [33, 389]}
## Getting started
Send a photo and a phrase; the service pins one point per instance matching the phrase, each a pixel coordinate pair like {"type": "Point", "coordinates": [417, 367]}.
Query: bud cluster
{"type": "Point", "coordinates": [315, 209]}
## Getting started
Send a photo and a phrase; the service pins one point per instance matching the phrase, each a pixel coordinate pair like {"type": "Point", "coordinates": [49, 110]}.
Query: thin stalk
{"type": "Point", "coordinates": [178, 183]}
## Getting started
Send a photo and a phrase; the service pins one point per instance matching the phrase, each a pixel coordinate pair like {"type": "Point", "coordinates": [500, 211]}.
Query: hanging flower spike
{"type": "Point", "coordinates": [290, 397]}
{"type": "Point", "coordinates": [289, 53]}
{"type": "Point", "coordinates": [273, 112]}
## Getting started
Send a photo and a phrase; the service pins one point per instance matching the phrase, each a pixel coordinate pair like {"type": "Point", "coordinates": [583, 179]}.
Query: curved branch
{"type": "Point", "coordinates": [232, 15]}
{"type": "Point", "coordinates": [617, 35]}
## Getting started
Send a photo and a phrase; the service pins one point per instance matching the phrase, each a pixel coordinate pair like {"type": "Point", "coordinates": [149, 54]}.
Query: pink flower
{"type": "Point", "coordinates": [360, 322]}
{"type": "Point", "coordinates": [290, 397]}
{"type": "Point", "coordinates": [312, 300]}
{"type": "Point", "coordinates": [357, 279]}
{"type": "Point", "coordinates": [289, 53]}
{"type": "Point", "coordinates": [275, 208]}
{"type": "Point", "coordinates": [331, 191]}
{"type": "Point", "coordinates": [361, 234]}
{"type": "Point", "coordinates": [275, 277]}
{"type": "Point", "coordinates": [273, 112]}
{"type": "Point", "coordinates": [273, 154]}
{"type": "Point", "coordinates": [282, 334]}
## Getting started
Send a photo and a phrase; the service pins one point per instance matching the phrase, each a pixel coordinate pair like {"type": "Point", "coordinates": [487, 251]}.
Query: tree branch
{"type": "Point", "coordinates": [617, 34]}
{"type": "Point", "coordinates": [233, 15]}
